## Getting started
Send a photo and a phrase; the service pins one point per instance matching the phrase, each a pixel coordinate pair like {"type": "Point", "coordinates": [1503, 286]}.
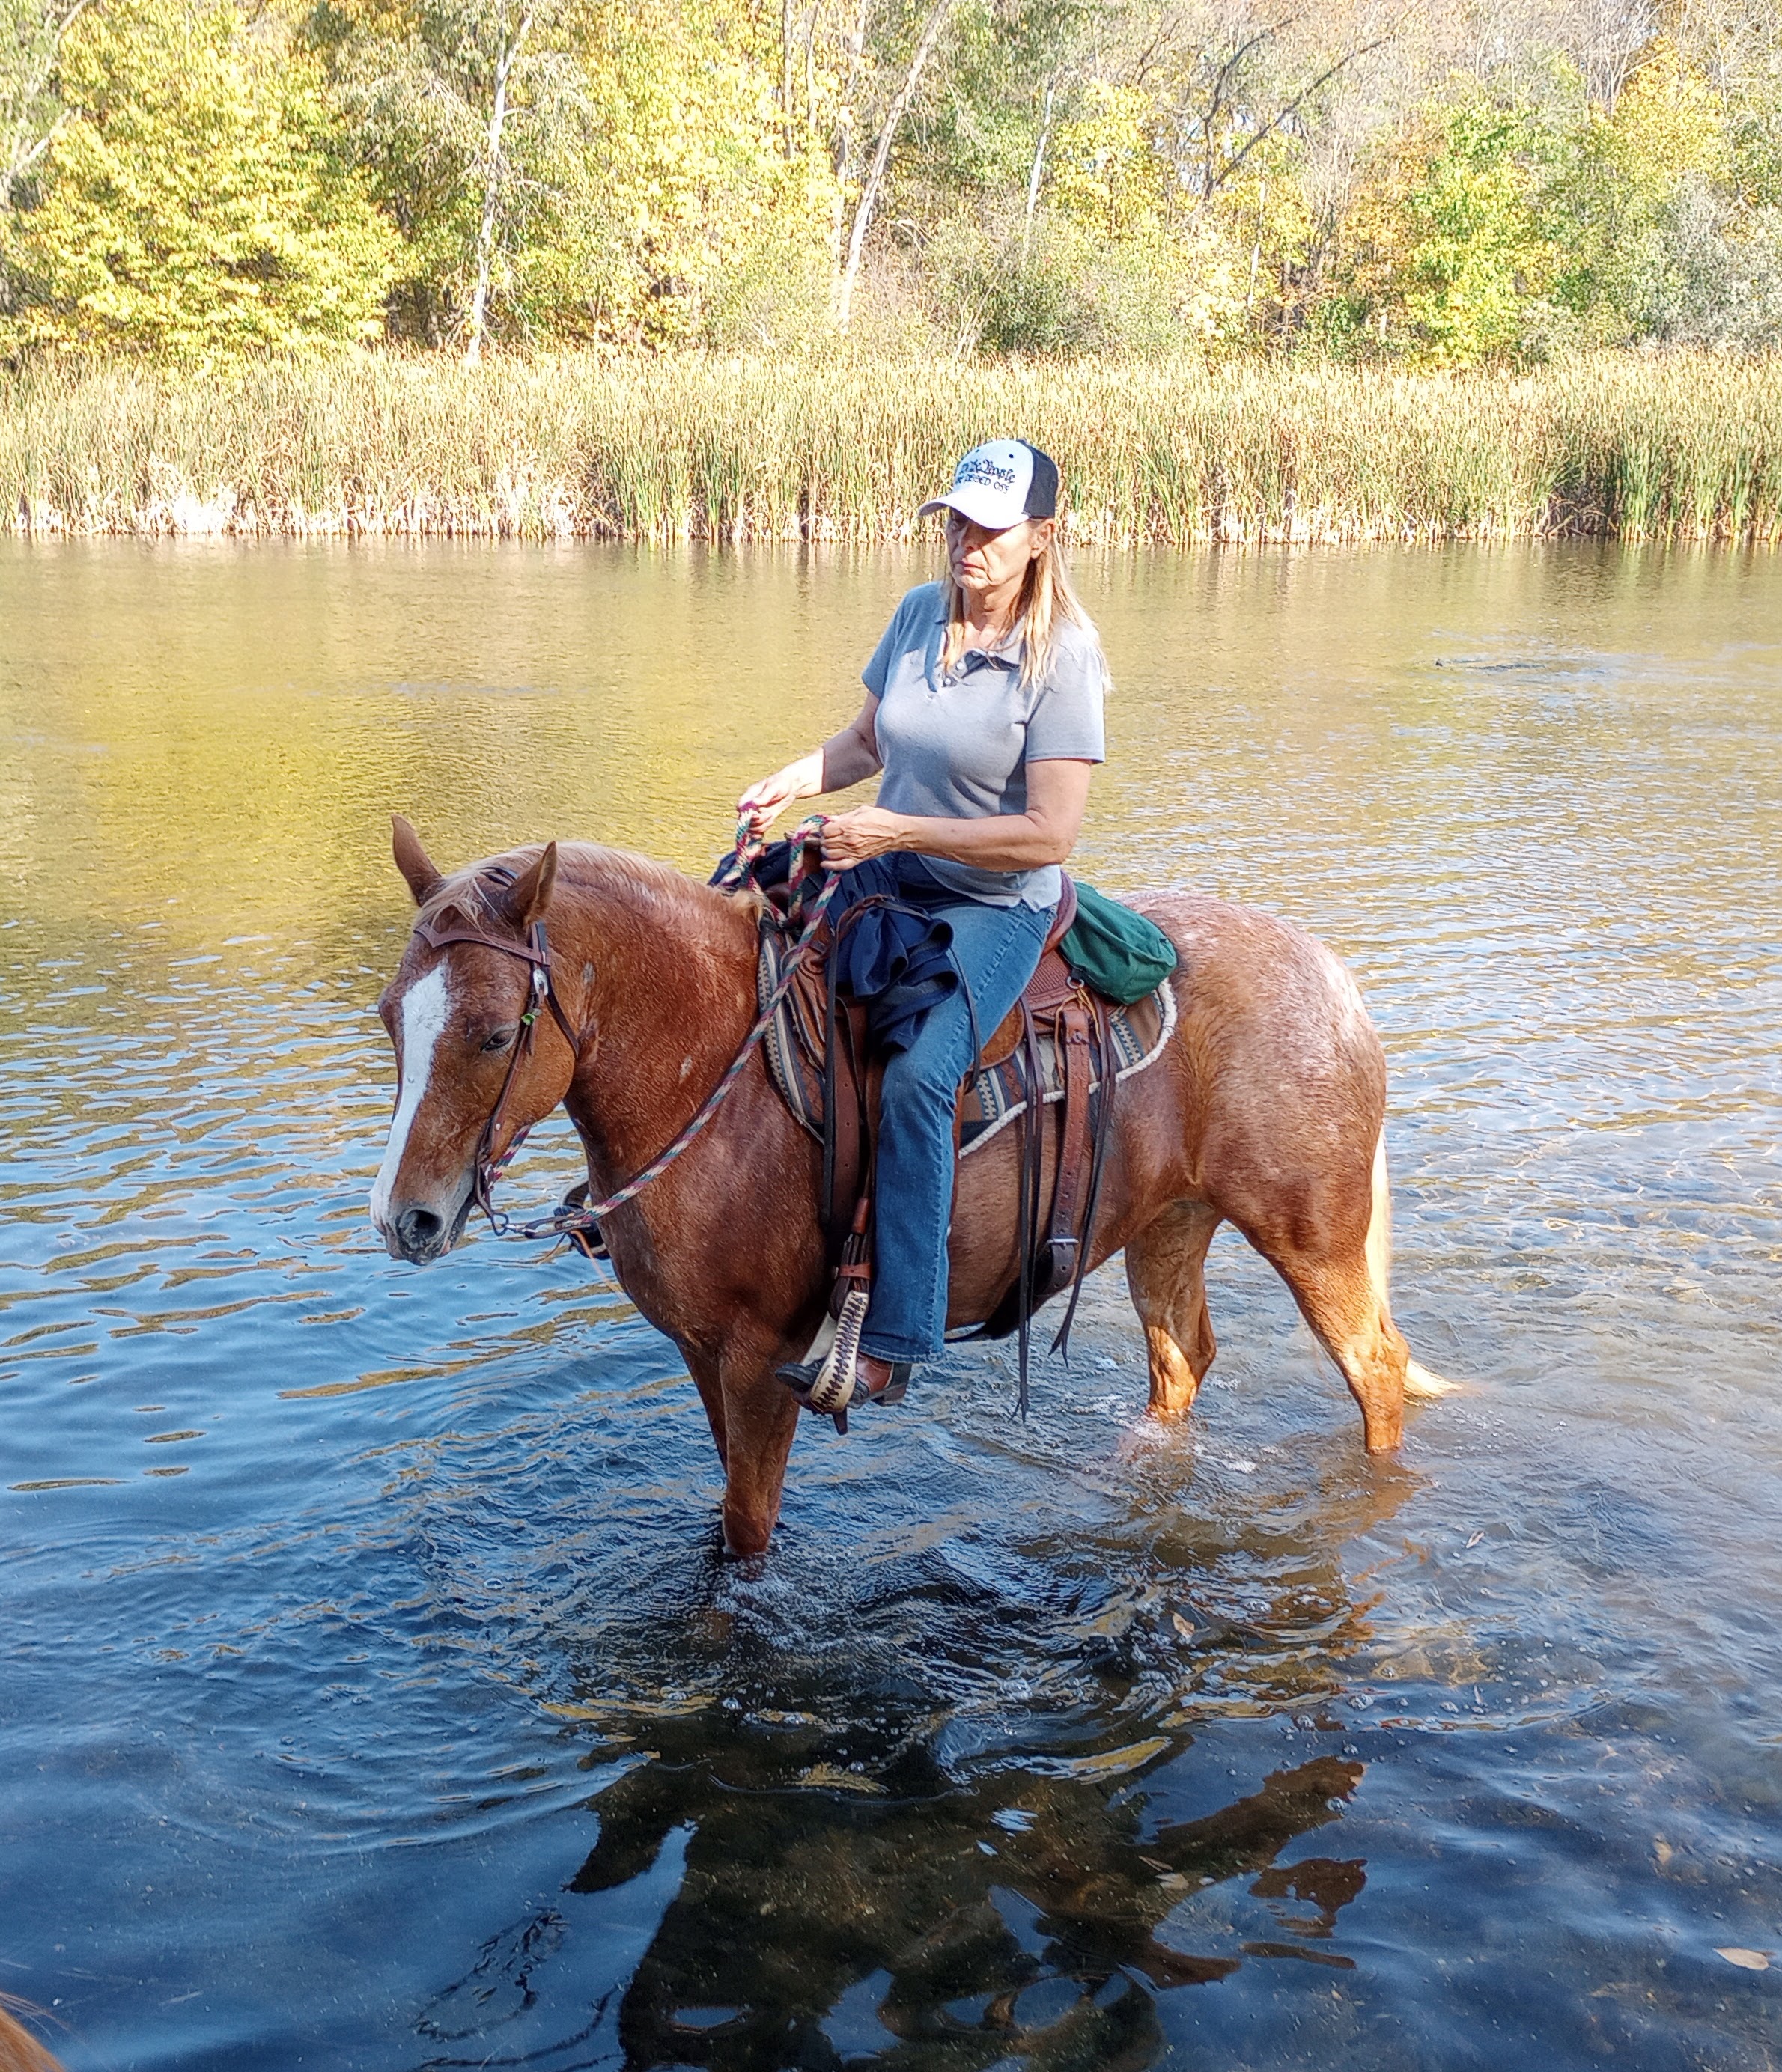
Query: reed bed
{"type": "Point", "coordinates": [701, 448]}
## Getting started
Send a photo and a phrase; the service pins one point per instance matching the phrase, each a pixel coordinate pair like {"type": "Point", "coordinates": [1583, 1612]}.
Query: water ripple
{"type": "Point", "coordinates": [376, 1691]}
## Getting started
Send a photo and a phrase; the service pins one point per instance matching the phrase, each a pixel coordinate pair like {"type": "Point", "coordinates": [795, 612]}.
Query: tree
{"type": "Point", "coordinates": [609, 169]}
{"type": "Point", "coordinates": [867, 199]}
{"type": "Point", "coordinates": [1447, 180]}
{"type": "Point", "coordinates": [1448, 247]}
{"type": "Point", "coordinates": [192, 201]}
{"type": "Point", "coordinates": [427, 94]}
{"type": "Point", "coordinates": [1617, 190]}
{"type": "Point", "coordinates": [510, 30]}
{"type": "Point", "coordinates": [30, 42]}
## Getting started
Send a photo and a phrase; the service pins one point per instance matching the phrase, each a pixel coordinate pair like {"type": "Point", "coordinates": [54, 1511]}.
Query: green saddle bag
{"type": "Point", "coordinates": [1119, 952]}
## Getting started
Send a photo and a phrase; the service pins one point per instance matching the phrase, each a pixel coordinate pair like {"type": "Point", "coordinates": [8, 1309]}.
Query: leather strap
{"type": "Point", "coordinates": [1072, 1037]}
{"type": "Point", "coordinates": [1106, 1072]}
{"type": "Point", "coordinates": [535, 953]}
{"type": "Point", "coordinates": [1031, 1130]}
{"type": "Point", "coordinates": [535, 950]}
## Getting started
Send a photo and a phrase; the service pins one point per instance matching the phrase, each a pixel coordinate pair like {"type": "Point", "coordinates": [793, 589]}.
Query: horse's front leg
{"type": "Point", "coordinates": [708, 1379]}
{"type": "Point", "coordinates": [753, 1418]}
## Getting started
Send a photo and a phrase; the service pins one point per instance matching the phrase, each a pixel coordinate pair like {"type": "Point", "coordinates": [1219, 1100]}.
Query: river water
{"type": "Point", "coordinates": [374, 1695]}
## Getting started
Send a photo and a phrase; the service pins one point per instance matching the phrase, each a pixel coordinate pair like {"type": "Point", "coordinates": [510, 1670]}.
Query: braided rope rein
{"type": "Point", "coordinates": [738, 869]}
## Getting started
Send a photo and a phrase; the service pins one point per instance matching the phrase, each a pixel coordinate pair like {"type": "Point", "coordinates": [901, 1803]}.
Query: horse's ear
{"type": "Point", "coordinates": [532, 888]}
{"type": "Point", "coordinates": [413, 861]}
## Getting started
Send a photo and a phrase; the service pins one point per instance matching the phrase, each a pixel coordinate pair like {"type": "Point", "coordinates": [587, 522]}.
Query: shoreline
{"type": "Point", "coordinates": [695, 448]}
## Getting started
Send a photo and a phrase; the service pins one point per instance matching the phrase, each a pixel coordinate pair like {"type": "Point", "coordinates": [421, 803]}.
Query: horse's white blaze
{"type": "Point", "coordinates": [425, 1008]}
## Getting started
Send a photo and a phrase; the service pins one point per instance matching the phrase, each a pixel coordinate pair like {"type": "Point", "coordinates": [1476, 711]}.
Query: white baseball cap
{"type": "Point", "coordinates": [999, 483]}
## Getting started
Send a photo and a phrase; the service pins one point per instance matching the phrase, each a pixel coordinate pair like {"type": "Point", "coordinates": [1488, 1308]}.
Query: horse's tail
{"type": "Point", "coordinates": [1418, 1380]}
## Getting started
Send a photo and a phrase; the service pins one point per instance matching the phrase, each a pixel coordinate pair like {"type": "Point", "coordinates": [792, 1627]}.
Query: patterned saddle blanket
{"type": "Point", "coordinates": [996, 1093]}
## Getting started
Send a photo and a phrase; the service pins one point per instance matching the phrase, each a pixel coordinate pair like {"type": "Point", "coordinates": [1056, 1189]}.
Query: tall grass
{"type": "Point", "coordinates": [1687, 448]}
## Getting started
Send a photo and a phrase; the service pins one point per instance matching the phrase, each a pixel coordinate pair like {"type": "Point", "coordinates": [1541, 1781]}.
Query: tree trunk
{"type": "Point", "coordinates": [881, 156]}
{"type": "Point", "coordinates": [1256, 247]}
{"type": "Point", "coordinates": [477, 325]}
{"type": "Point", "coordinates": [855, 41]}
{"type": "Point", "coordinates": [1033, 177]}
{"type": "Point", "coordinates": [25, 143]}
{"type": "Point", "coordinates": [785, 78]}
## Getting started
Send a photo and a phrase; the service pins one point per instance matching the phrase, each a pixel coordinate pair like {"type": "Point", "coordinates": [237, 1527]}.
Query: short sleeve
{"type": "Point", "coordinates": [898, 636]}
{"type": "Point", "coordinates": [1065, 722]}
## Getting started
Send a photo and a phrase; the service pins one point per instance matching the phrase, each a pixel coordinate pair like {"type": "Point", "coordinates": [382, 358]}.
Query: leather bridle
{"type": "Point", "coordinates": [535, 953]}
{"type": "Point", "coordinates": [581, 1219]}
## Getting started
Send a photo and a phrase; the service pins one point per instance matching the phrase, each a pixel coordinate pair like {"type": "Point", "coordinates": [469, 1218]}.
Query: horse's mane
{"type": "Point", "coordinates": [639, 883]}
{"type": "Point", "coordinates": [20, 2051]}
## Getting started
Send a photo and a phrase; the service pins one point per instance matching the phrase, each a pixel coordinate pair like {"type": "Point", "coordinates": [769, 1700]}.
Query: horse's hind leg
{"type": "Point", "coordinates": [1338, 1297]}
{"type": "Point", "coordinates": [1165, 1272]}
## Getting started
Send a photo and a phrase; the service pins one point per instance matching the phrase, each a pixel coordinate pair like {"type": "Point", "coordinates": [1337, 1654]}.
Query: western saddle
{"type": "Point", "coordinates": [1057, 1047]}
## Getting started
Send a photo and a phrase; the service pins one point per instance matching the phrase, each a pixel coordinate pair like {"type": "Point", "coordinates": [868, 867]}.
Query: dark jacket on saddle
{"type": "Point", "coordinates": [894, 951]}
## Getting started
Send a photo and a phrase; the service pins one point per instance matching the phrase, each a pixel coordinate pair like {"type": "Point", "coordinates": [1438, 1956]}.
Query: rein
{"type": "Point", "coordinates": [584, 1218]}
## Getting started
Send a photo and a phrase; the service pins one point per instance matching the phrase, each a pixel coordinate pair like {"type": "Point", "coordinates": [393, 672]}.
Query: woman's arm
{"type": "Point", "coordinates": [1058, 793]}
{"type": "Point", "coordinates": [845, 758]}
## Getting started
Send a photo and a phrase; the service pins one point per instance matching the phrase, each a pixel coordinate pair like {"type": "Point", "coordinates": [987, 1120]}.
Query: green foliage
{"type": "Point", "coordinates": [978, 134]}
{"type": "Point", "coordinates": [193, 203]}
{"type": "Point", "coordinates": [644, 192]}
{"type": "Point", "coordinates": [209, 178]}
{"type": "Point", "coordinates": [30, 34]}
{"type": "Point", "coordinates": [1449, 244]}
{"type": "Point", "coordinates": [1617, 184]}
{"type": "Point", "coordinates": [408, 89]}
{"type": "Point", "coordinates": [677, 206]}
{"type": "Point", "coordinates": [1106, 174]}
{"type": "Point", "coordinates": [1058, 292]}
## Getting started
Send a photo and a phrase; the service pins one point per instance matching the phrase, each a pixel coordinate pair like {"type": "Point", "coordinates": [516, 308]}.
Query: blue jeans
{"type": "Point", "coordinates": [997, 948]}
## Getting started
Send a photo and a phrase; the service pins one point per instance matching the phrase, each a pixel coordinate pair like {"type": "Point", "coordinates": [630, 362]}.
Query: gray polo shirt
{"type": "Point", "coordinates": [955, 745]}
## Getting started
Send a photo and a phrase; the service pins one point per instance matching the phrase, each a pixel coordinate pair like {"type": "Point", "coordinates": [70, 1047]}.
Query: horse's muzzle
{"type": "Point", "coordinates": [416, 1234]}
{"type": "Point", "coordinates": [419, 1233]}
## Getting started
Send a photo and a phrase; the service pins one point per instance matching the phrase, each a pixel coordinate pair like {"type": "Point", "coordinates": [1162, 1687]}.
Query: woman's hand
{"type": "Point", "coordinates": [857, 837]}
{"type": "Point", "coordinates": [766, 799]}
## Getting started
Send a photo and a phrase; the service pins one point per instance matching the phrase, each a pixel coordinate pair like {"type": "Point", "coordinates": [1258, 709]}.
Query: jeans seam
{"type": "Point", "coordinates": [1023, 937]}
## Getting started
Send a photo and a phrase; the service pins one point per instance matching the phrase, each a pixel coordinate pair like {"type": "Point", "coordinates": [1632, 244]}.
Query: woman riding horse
{"type": "Point", "coordinates": [1262, 1106]}
{"type": "Point", "coordinates": [983, 710]}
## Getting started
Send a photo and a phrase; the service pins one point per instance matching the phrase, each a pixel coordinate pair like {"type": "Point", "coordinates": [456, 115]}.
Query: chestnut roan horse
{"type": "Point", "coordinates": [1266, 1112]}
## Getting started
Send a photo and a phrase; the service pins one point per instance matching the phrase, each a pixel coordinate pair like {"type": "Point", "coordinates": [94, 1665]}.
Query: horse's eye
{"type": "Point", "coordinates": [501, 1040]}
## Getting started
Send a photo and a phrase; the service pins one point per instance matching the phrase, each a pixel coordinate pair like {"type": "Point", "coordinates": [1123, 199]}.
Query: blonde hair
{"type": "Point", "coordinates": [1048, 597]}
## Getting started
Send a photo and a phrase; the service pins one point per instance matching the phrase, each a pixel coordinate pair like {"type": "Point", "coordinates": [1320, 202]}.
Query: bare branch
{"type": "Point", "coordinates": [881, 156]}
{"type": "Point", "coordinates": [27, 143]}
{"type": "Point", "coordinates": [1292, 109]}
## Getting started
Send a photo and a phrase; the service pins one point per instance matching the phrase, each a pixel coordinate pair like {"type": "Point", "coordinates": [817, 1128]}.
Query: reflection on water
{"type": "Point", "coordinates": [375, 1695]}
